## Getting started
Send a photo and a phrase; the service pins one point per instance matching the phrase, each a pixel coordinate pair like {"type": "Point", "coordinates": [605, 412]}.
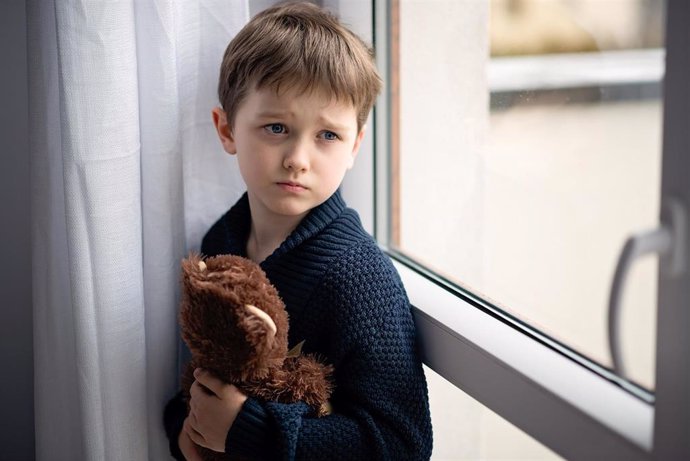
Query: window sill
{"type": "Point", "coordinates": [558, 401]}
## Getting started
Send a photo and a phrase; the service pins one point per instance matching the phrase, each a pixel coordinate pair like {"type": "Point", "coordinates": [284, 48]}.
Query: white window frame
{"type": "Point", "coordinates": [562, 401]}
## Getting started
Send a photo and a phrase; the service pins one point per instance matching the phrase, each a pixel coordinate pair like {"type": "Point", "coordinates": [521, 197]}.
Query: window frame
{"type": "Point", "coordinates": [566, 406]}
{"type": "Point", "coordinates": [672, 407]}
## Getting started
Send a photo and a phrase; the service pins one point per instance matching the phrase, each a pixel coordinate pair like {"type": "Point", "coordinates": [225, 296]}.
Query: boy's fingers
{"type": "Point", "coordinates": [193, 433]}
{"type": "Point", "coordinates": [197, 392]}
{"type": "Point", "coordinates": [194, 426]}
{"type": "Point", "coordinates": [209, 381]}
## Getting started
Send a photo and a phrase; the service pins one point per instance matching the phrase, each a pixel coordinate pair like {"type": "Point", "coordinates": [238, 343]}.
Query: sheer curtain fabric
{"type": "Point", "coordinates": [126, 175]}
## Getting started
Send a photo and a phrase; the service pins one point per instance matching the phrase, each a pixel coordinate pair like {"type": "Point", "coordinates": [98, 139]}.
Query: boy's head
{"type": "Point", "coordinates": [299, 47]}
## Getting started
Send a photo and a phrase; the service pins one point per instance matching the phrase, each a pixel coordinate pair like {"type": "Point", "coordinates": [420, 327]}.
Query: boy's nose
{"type": "Point", "coordinates": [297, 158]}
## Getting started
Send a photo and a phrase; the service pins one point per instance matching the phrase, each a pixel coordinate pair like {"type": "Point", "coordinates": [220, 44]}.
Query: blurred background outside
{"type": "Point", "coordinates": [528, 139]}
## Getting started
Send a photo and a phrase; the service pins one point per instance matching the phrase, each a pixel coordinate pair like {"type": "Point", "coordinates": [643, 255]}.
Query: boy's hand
{"type": "Point", "coordinates": [214, 405]}
{"type": "Point", "coordinates": [187, 446]}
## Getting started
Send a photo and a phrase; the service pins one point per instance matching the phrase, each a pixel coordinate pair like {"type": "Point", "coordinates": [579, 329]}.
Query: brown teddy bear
{"type": "Point", "coordinates": [236, 327]}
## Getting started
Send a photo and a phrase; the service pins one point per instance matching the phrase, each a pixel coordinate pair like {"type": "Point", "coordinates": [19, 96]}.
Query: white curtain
{"type": "Point", "coordinates": [126, 176]}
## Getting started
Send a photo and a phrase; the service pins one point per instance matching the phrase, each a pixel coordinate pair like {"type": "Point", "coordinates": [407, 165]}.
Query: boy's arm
{"type": "Point", "coordinates": [176, 409]}
{"type": "Point", "coordinates": [173, 418]}
{"type": "Point", "coordinates": [380, 401]}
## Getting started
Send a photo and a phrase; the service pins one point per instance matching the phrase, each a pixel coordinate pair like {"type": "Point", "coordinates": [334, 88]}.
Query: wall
{"type": "Point", "coordinates": [16, 349]}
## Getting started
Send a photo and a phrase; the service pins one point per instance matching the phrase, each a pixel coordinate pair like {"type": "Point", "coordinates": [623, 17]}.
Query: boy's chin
{"type": "Point", "coordinates": [293, 208]}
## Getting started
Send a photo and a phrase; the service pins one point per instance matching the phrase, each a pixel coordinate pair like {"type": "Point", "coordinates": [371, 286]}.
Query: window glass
{"type": "Point", "coordinates": [526, 147]}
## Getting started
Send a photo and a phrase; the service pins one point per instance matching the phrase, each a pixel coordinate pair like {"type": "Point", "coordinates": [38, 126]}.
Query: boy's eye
{"type": "Point", "coordinates": [275, 128]}
{"type": "Point", "coordinates": [329, 136]}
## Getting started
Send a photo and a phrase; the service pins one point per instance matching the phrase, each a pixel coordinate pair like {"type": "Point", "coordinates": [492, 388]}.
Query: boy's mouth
{"type": "Point", "coordinates": [292, 186]}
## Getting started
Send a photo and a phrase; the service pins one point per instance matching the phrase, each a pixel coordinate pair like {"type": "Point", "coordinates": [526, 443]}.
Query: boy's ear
{"type": "Point", "coordinates": [220, 121]}
{"type": "Point", "coordinates": [355, 148]}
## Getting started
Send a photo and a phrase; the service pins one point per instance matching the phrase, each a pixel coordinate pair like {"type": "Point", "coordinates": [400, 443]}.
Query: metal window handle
{"type": "Point", "coordinates": [669, 242]}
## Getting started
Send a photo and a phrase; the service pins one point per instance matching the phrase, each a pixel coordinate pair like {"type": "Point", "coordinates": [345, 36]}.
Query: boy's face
{"type": "Point", "coordinates": [293, 149]}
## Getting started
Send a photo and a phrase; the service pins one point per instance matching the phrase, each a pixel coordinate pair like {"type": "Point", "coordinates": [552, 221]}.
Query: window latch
{"type": "Point", "coordinates": [669, 241]}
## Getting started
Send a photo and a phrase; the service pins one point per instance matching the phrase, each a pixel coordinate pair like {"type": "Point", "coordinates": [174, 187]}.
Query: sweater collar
{"type": "Point", "coordinates": [238, 223]}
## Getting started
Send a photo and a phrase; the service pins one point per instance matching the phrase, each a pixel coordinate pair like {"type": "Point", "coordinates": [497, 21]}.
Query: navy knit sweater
{"type": "Point", "coordinates": [346, 300]}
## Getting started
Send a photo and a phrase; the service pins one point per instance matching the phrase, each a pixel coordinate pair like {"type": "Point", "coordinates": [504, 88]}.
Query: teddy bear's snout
{"type": "Point", "coordinates": [270, 324]}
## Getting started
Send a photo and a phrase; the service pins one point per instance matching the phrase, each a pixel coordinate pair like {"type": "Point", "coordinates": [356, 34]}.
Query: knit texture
{"type": "Point", "coordinates": [347, 302]}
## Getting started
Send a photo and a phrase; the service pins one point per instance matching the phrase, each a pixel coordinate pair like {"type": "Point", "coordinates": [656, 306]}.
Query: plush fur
{"type": "Point", "coordinates": [230, 340]}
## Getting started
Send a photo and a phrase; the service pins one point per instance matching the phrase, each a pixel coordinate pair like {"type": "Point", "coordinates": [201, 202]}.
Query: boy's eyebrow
{"type": "Point", "coordinates": [287, 113]}
{"type": "Point", "coordinates": [275, 114]}
{"type": "Point", "coordinates": [332, 124]}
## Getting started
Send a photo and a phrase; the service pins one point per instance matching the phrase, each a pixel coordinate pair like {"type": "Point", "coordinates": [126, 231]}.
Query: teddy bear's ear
{"type": "Point", "coordinates": [260, 338]}
{"type": "Point", "coordinates": [264, 317]}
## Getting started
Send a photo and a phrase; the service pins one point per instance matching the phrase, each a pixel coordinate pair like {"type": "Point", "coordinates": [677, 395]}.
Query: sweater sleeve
{"type": "Point", "coordinates": [380, 402]}
{"type": "Point", "coordinates": [173, 420]}
{"type": "Point", "coordinates": [251, 435]}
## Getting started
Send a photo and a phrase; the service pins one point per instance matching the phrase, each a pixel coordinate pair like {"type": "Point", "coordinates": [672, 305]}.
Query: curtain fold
{"type": "Point", "coordinates": [126, 175]}
{"type": "Point", "coordinates": [162, 200]}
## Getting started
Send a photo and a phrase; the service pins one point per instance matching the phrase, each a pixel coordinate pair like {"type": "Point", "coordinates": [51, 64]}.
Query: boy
{"type": "Point", "coordinates": [296, 88]}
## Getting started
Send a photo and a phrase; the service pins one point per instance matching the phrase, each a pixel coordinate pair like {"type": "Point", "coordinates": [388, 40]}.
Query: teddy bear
{"type": "Point", "coordinates": [236, 326]}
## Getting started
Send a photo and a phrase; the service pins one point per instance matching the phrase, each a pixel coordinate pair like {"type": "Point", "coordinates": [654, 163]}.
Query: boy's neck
{"type": "Point", "coordinates": [267, 232]}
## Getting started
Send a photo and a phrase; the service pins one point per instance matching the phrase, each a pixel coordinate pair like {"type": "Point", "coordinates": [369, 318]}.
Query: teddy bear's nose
{"type": "Point", "coordinates": [263, 316]}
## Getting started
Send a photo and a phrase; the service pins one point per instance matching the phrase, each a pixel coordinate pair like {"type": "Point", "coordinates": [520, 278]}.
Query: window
{"type": "Point", "coordinates": [506, 183]}
{"type": "Point", "coordinates": [550, 142]}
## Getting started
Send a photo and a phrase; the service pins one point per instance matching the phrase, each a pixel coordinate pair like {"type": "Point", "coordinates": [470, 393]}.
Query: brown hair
{"type": "Point", "coordinates": [302, 47]}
